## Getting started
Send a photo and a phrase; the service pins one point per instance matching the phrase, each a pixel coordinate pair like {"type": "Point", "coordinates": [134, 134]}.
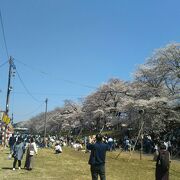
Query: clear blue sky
{"type": "Point", "coordinates": [83, 41]}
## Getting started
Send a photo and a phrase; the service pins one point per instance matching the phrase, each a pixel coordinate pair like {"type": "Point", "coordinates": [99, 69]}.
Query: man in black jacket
{"type": "Point", "coordinates": [12, 140]}
{"type": "Point", "coordinates": [97, 157]}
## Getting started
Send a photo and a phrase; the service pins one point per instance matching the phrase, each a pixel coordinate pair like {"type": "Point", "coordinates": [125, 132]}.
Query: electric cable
{"type": "Point", "coordinates": [72, 82]}
{"type": "Point", "coordinates": [58, 78]}
{"type": "Point", "coordinates": [49, 94]}
{"type": "Point", "coordinates": [3, 64]}
{"type": "Point", "coordinates": [3, 32]}
{"type": "Point", "coordinates": [32, 112]}
{"type": "Point", "coordinates": [26, 89]}
{"type": "Point", "coordinates": [30, 67]}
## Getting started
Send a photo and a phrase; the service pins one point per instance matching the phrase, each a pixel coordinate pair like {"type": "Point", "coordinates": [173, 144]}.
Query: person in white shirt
{"type": "Point", "coordinates": [110, 143]}
{"type": "Point", "coordinates": [156, 152]}
{"type": "Point", "coordinates": [58, 148]}
{"type": "Point", "coordinates": [31, 151]}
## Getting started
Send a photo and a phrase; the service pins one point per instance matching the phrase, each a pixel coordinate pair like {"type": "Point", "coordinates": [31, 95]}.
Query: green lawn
{"type": "Point", "coordinates": [72, 165]}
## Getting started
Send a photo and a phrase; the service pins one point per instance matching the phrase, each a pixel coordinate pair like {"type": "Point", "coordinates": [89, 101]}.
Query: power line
{"type": "Point", "coordinates": [28, 92]}
{"type": "Point", "coordinates": [3, 64]}
{"type": "Point", "coordinates": [51, 94]}
{"type": "Point", "coordinates": [32, 112]}
{"type": "Point", "coordinates": [72, 82]}
{"type": "Point", "coordinates": [58, 78]}
{"type": "Point", "coordinates": [4, 37]}
{"type": "Point", "coordinates": [30, 67]}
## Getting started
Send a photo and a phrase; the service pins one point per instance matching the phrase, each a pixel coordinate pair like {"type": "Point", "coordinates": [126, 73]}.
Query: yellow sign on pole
{"type": "Point", "coordinates": [6, 119]}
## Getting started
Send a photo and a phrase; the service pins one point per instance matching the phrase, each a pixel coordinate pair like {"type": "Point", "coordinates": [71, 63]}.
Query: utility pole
{"type": "Point", "coordinates": [45, 122]}
{"type": "Point", "coordinates": [12, 118]}
{"type": "Point", "coordinates": [9, 88]}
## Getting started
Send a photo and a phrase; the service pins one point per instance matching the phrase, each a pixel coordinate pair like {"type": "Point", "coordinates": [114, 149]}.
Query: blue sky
{"type": "Point", "coordinates": [85, 42]}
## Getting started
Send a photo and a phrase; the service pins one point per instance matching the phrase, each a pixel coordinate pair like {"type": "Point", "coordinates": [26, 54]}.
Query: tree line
{"type": "Point", "coordinates": [153, 96]}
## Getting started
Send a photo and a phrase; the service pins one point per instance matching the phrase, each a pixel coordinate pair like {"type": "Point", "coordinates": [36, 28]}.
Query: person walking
{"type": "Point", "coordinates": [163, 164]}
{"type": "Point", "coordinates": [110, 143]}
{"type": "Point", "coordinates": [97, 157]}
{"type": "Point", "coordinates": [18, 151]}
{"type": "Point", "coordinates": [31, 151]}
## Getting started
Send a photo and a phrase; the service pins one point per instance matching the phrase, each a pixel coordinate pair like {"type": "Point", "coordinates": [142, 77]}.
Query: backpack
{"type": "Point", "coordinates": [164, 160]}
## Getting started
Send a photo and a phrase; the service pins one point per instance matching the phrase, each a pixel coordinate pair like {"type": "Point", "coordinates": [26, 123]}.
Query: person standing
{"type": "Point", "coordinates": [127, 144]}
{"type": "Point", "coordinates": [18, 151]}
{"type": "Point", "coordinates": [156, 152]}
{"type": "Point", "coordinates": [170, 147]}
{"type": "Point", "coordinates": [12, 141]}
{"type": "Point", "coordinates": [31, 151]}
{"type": "Point", "coordinates": [97, 157]}
{"type": "Point", "coordinates": [163, 164]}
{"type": "Point", "coordinates": [110, 143]}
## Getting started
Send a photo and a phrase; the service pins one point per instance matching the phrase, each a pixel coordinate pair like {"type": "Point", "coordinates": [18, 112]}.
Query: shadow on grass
{"type": "Point", "coordinates": [10, 168]}
{"type": "Point", "coordinates": [7, 153]}
{"type": "Point", "coordinates": [7, 168]}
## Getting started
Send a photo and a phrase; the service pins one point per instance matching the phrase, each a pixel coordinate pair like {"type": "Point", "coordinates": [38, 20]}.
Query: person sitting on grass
{"type": "Point", "coordinates": [77, 146]}
{"type": "Point", "coordinates": [58, 148]}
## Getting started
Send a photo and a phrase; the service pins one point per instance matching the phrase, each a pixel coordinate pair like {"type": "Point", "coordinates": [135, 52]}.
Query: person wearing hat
{"type": "Point", "coordinates": [97, 157]}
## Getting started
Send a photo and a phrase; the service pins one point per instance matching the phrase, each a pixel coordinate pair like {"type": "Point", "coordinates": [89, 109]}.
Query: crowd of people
{"type": "Point", "coordinates": [97, 146]}
{"type": "Point", "coordinates": [125, 143]}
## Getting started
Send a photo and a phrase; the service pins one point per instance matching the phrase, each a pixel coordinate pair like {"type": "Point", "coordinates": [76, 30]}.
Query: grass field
{"type": "Point", "coordinates": [72, 165]}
